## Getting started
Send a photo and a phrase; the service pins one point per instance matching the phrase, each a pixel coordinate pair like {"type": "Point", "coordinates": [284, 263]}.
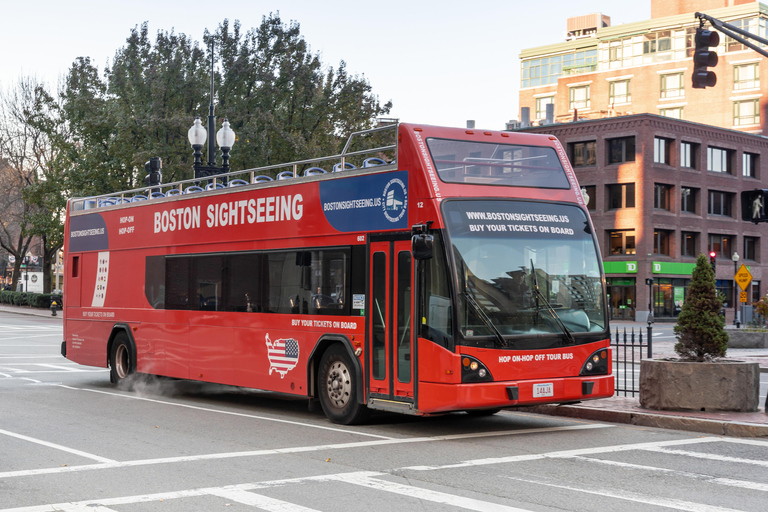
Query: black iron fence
{"type": "Point", "coordinates": [628, 350]}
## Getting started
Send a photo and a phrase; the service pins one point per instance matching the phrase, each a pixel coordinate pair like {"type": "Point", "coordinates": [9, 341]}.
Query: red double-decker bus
{"type": "Point", "coordinates": [451, 270]}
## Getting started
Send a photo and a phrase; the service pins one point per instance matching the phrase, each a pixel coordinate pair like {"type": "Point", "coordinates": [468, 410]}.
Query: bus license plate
{"type": "Point", "coordinates": [541, 390]}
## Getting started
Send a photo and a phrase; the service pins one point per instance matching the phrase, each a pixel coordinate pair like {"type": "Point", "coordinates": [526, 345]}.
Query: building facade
{"type": "Point", "coordinates": [646, 67]}
{"type": "Point", "coordinates": [660, 192]}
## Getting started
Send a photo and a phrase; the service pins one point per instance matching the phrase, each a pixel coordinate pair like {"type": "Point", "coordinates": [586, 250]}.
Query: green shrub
{"type": "Point", "coordinates": [35, 300]}
{"type": "Point", "coordinates": [700, 329]}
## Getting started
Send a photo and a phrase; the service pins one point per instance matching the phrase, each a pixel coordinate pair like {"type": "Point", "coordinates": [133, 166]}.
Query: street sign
{"type": "Point", "coordinates": [743, 297]}
{"type": "Point", "coordinates": [743, 277]}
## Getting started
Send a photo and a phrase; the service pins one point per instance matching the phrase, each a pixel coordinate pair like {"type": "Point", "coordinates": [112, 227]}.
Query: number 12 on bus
{"type": "Point", "coordinates": [450, 270]}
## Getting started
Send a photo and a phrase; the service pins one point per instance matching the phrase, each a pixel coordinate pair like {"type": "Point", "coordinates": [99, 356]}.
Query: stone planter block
{"type": "Point", "coordinates": [720, 386]}
{"type": "Point", "coordinates": [741, 338]}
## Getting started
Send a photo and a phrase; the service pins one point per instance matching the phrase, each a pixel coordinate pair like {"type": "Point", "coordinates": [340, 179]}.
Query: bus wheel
{"type": "Point", "coordinates": [337, 388]}
{"type": "Point", "coordinates": [120, 360]}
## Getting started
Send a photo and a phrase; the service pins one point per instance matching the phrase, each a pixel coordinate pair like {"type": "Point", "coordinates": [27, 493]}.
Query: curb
{"type": "Point", "coordinates": [642, 419]}
{"type": "Point", "coordinates": [30, 312]}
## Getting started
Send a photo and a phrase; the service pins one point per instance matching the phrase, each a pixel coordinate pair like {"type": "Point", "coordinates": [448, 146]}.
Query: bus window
{"type": "Point", "coordinates": [436, 325]}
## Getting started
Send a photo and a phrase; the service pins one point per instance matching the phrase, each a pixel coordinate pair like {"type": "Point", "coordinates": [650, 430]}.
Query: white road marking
{"type": "Point", "coordinates": [57, 447]}
{"type": "Point", "coordinates": [366, 480]}
{"type": "Point", "coordinates": [565, 453]}
{"type": "Point", "coordinates": [257, 500]}
{"type": "Point", "coordinates": [228, 413]}
{"type": "Point", "coordinates": [278, 451]}
{"type": "Point", "coordinates": [240, 493]}
{"type": "Point", "coordinates": [637, 498]}
{"type": "Point", "coordinates": [743, 484]}
{"type": "Point", "coordinates": [708, 456]}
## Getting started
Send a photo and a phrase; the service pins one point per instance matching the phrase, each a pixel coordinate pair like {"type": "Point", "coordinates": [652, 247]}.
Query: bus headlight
{"type": "Point", "coordinates": [473, 370]}
{"type": "Point", "coordinates": [596, 364]}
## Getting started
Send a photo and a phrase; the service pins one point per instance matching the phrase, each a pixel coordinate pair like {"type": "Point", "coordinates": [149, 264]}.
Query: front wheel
{"type": "Point", "coordinates": [120, 359]}
{"type": "Point", "coordinates": [338, 389]}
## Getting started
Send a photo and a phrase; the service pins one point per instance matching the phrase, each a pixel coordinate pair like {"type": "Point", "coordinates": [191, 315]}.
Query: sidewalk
{"type": "Point", "coordinates": [626, 409]}
{"type": "Point", "coordinates": [621, 409]}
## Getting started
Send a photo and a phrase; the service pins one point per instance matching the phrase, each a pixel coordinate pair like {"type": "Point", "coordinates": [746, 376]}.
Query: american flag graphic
{"type": "Point", "coordinates": [283, 355]}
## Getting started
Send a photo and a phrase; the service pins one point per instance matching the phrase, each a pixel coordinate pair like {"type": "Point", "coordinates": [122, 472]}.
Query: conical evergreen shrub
{"type": "Point", "coordinates": [700, 329]}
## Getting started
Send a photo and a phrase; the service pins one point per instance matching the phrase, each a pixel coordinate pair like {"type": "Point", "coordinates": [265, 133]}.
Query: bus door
{"type": "Point", "coordinates": [390, 357]}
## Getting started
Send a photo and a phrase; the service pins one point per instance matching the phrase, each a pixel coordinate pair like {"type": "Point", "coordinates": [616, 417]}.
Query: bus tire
{"type": "Point", "coordinates": [121, 361]}
{"type": "Point", "coordinates": [337, 388]}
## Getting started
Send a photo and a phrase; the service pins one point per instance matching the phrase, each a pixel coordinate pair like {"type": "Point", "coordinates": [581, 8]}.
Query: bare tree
{"type": "Point", "coordinates": [33, 201]}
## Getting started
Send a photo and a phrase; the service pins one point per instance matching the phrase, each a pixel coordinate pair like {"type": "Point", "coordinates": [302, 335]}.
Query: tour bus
{"type": "Point", "coordinates": [442, 270]}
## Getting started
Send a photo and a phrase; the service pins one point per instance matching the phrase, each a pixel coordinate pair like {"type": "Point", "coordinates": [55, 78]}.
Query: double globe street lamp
{"type": "Point", "coordinates": [197, 136]}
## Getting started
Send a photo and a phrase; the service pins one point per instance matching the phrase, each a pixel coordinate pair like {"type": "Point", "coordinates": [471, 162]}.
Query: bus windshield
{"type": "Point", "coordinates": [525, 268]}
{"type": "Point", "coordinates": [487, 163]}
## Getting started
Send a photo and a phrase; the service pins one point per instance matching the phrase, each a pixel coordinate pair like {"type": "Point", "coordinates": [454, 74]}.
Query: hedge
{"type": "Point", "coordinates": [35, 300]}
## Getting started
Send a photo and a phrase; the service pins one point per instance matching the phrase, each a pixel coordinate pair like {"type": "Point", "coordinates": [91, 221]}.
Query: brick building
{"type": "Point", "coordinates": [646, 66]}
{"type": "Point", "coordinates": [662, 191]}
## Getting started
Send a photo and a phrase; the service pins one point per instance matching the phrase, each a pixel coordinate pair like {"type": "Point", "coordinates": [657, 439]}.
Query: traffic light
{"type": "Point", "coordinates": [704, 58]}
{"type": "Point", "coordinates": [712, 258]}
{"type": "Point", "coordinates": [753, 204]}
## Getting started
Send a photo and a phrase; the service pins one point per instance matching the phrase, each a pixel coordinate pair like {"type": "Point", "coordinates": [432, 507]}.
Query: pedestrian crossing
{"type": "Point", "coordinates": [402, 488]}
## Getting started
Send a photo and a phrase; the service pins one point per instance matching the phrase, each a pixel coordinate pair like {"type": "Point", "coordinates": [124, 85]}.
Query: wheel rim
{"type": "Point", "coordinates": [338, 384]}
{"type": "Point", "coordinates": [121, 361]}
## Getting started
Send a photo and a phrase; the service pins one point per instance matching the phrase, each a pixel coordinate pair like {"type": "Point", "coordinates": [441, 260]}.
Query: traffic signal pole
{"type": "Point", "coordinates": [731, 31]}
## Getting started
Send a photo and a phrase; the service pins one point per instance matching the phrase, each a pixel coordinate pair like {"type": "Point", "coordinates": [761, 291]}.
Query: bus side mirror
{"type": "Point", "coordinates": [421, 246]}
{"type": "Point", "coordinates": [753, 205]}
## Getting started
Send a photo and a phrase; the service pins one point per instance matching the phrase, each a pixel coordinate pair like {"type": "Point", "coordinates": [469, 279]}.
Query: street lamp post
{"type": "Point", "coordinates": [735, 258]}
{"type": "Point", "coordinates": [197, 136]}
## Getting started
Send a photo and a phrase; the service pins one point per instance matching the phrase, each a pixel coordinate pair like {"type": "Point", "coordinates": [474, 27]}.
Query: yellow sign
{"type": "Point", "coordinates": [743, 297]}
{"type": "Point", "coordinates": [743, 277]}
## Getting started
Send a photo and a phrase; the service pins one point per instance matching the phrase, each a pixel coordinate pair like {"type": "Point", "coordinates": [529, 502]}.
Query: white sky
{"type": "Point", "coordinates": [440, 62]}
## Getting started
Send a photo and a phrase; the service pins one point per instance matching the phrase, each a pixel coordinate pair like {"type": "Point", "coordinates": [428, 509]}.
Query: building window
{"type": "Point", "coordinates": [661, 241]}
{"type": "Point", "coordinates": [746, 112]}
{"type": "Point", "coordinates": [578, 97]}
{"type": "Point", "coordinates": [672, 85]}
{"type": "Point", "coordinates": [589, 193]}
{"type": "Point", "coordinates": [746, 76]}
{"type": "Point", "coordinates": [621, 242]}
{"type": "Point", "coordinates": [583, 153]}
{"type": "Point", "coordinates": [618, 92]}
{"type": "Point", "coordinates": [621, 196]}
{"type": "Point", "coordinates": [688, 152]}
{"type": "Point", "coordinates": [661, 196]}
{"type": "Point", "coordinates": [756, 291]}
{"type": "Point", "coordinates": [661, 150]}
{"type": "Point", "coordinates": [688, 199]}
{"type": "Point", "coordinates": [751, 246]}
{"type": "Point", "coordinates": [719, 203]}
{"type": "Point", "coordinates": [657, 42]}
{"type": "Point", "coordinates": [749, 165]}
{"type": "Point", "coordinates": [541, 106]}
{"type": "Point", "coordinates": [674, 112]}
{"type": "Point", "coordinates": [722, 245]}
{"type": "Point", "coordinates": [719, 160]}
{"type": "Point", "coordinates": [689, 244]}
{"type": "Point", "coordinates": [621, 150]}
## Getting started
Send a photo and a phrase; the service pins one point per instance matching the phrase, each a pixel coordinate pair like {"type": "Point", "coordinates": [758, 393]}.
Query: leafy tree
{"type": "Point", "coordinates": [700, 328]}
{"type": "Point", "coordinates": [280, 100]}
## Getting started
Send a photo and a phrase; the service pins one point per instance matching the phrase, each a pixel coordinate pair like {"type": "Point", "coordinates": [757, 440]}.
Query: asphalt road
{"type": "Point", "coordinates": [69, 441]}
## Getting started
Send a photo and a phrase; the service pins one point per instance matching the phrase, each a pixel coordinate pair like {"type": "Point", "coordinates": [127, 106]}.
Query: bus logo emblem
{"type": "Point", "coordinates": [283, 355]}
{"type": "Point", "coordinates": [395, 201]}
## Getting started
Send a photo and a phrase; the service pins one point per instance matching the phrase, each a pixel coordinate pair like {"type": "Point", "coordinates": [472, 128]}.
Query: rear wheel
{"type": "Point", "coordinates": [337, 387]}
{"type": "Point", "coordinates": [120, 359]}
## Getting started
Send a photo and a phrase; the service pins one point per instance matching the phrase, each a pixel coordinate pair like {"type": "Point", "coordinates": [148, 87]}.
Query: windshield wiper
{"type": "Point", "coordinates": [568, 335]}
{"type": "Point", "coordinates": [500, 341]}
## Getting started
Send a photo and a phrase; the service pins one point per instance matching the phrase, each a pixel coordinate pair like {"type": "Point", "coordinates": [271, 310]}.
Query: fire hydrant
{"type": "Point", "coordinates": [53, 308]}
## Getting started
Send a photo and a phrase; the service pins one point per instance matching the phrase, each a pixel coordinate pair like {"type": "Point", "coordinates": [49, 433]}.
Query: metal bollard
{"type": "Point", "coordinates": [53, 308]}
